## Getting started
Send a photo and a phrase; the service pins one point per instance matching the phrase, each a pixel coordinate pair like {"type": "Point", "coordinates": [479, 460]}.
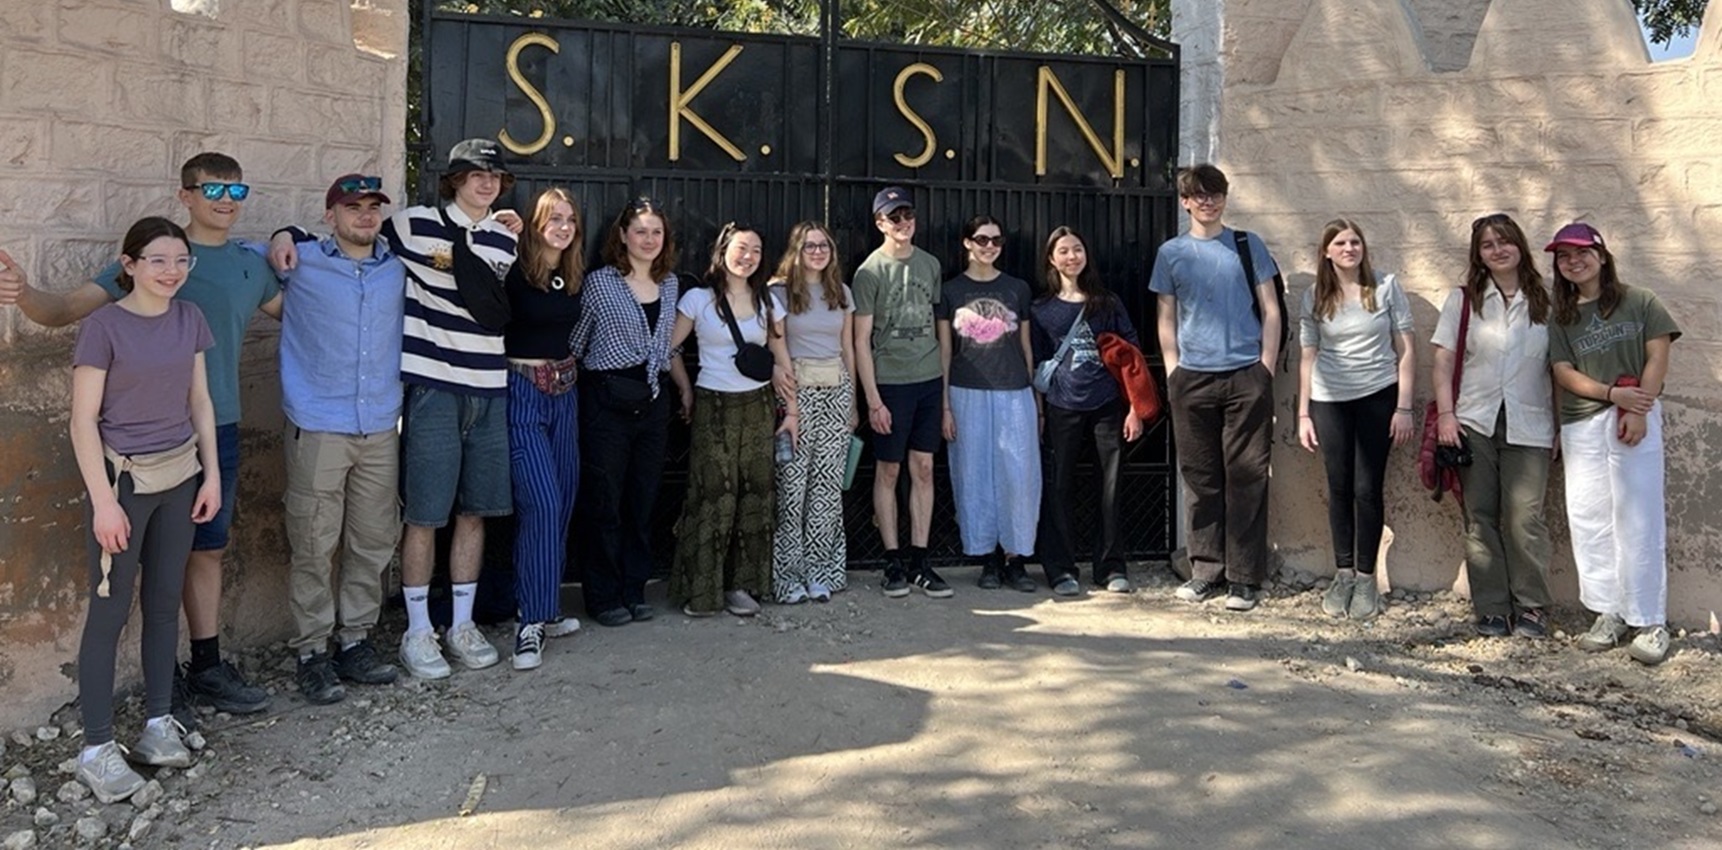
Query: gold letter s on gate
{"type": "Point", "coordinates": [532, 94]}
{"type": "Point", "coordinates": [914, 117]}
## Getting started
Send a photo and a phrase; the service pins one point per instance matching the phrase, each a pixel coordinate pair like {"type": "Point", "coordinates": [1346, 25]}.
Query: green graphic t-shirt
{"type": "Point", "coordinates": [228, 284]}
{"type": "Point", "coordinates": [1605, 349]}
{"type": "Point", "coordinates": [900, 295]}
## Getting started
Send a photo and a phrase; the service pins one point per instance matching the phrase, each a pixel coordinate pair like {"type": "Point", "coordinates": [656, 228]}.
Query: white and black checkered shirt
{"type": "Point", "coordinates": [612, 332]}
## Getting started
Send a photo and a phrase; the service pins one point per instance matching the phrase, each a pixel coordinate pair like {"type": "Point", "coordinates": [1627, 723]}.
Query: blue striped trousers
{"type": "Point", "coordinates": [544, 460]}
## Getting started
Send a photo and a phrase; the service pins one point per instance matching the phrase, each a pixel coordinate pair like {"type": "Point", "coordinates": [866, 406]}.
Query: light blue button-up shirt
{"type": "Point", "coordinates": [341, 340]}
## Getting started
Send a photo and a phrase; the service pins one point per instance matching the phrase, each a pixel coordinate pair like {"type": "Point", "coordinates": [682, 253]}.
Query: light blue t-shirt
{"type": "Point", "coordinates": [228, 284]}
{"type": "Point", "coordinates": [1217, 327]}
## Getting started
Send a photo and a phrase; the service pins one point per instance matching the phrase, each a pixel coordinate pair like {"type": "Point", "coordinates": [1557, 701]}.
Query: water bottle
{"type": "Point", "coordinates": [785, 448]}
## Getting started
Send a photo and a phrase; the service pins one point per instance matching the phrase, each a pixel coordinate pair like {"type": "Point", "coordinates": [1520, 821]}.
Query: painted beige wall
{"type": "Point", "coordinates": [1331, 107]}
{"type": "Point", "coordinates": [100, 103]}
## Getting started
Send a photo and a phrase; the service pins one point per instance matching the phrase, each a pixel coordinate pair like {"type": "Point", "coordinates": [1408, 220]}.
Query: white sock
{"type": "Point", "coordinates": [418, 609]}
{"type": "Point", "coordinates": [463, 596]}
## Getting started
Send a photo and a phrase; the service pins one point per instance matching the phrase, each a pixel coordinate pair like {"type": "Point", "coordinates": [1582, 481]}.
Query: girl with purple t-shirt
{"type": "Point", "coordinates": [142, 429]}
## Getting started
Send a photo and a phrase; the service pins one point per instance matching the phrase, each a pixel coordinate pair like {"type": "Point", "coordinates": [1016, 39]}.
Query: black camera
{"type": "Point", "coordinates": [1453, 456]}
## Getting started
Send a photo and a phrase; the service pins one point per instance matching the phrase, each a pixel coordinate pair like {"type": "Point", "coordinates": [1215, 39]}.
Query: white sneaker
{"type": "Point", "coordinates": [529, 646]}
{"type": "Point", "coordinates": [561, 627]}
{"type": "Point", "coordinates": [795, 595]}
{"type": "Point", "coordinates": [108, 775]}
{"type": "Point", "coordinates": [1651, 645]}
{"type": "Point", "coordinates": [740, 603]}
{"type": "Point", "coordinates": [422, 656]}
{"type": "Point", "coordinates": [818, 592]}
{"type": "Point", "coordinates": [162, 745]}
{"type": "Point", "coordinates": [469, 646]}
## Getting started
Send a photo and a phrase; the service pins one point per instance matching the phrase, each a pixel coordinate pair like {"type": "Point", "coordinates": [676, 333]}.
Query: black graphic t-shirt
{"type": "Point", "coordinates": [1082, 381]}
{"type": "Point", "coordinates": [986, 331]}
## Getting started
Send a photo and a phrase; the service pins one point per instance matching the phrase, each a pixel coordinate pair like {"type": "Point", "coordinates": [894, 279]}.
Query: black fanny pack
{"type": "Point", "coordinates": [752, 360]}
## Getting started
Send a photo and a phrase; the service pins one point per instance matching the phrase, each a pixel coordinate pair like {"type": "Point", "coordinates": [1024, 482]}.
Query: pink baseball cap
{"type": "Point", "coordinates": [1577, 234]}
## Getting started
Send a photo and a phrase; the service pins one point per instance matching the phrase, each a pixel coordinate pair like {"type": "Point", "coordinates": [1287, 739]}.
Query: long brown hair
{"type": "Point", "coordinates": [1566, 292]}
{"type": "Point", "coordinates": [615, 252]}
{"type": "Point", "coordinates": [793, 271]}
{"type": "Point", "coordinates": [1097, 300]}
{"type": "Point", "coordinates": [1477, 277]}
{"type": "Point", "coordinates": [138, 237]}
{"type": "Point", "coordinates": [535, 252]}
{"type": "Point", "coordinates": [1327, 292]}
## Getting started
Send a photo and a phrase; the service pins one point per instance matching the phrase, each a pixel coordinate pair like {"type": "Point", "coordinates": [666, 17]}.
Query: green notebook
{"type": "Point", "coordinates": [853, 461]}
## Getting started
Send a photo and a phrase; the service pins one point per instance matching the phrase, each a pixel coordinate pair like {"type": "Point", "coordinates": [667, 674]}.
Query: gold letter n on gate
{"type": "Point", "coordinates": [680, 100]}
{"type": "Point", "coordinates": [1114, 161]}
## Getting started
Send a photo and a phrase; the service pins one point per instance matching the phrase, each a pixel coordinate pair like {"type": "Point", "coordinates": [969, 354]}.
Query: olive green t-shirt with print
{"type": "Point", "coordinates": [1605, 349]}
{"type": "Point", "coordinates": [900, 295]}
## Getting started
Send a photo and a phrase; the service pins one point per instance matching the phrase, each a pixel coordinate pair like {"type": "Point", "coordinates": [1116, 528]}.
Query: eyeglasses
{"type": "Point", "coordinates": [642, 203]}
{"type": "Point", "coordinates": [900, 215]}
{"type": "Point", "coordinates": [213, 191]}
{"type": "Point", "coordinates": [160, 263]}
{"type": "Point", "coordinates": [988, 241]}
{"type": "Point", "coordinates": [816, 247]}
{"type": "Point", "coordinates": [354, 184]}
{"type": "Point", "coordinates": [1490, 220]}
{"type": "Point", "coordinates": [1207, 199]}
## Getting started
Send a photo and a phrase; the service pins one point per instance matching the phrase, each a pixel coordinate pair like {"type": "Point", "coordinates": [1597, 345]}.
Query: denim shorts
{"type": "Point", "coordinates": [917, 414]}
{"type": "Point", "coordinates": [454, 456]}
{"type": "Point", "coordinates": [213, 535]}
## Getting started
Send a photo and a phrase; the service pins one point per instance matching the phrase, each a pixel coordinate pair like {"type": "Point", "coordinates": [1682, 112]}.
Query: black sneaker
{"type": "Point", "coordinates": [1197, 590]}
{"type": "Point", "coordinates": [896, 578]}
{"type": "Point", "coordinates": [1492, 625]}
{"type": "Point", "coordinates": [930, 583]}
{"type": "Point", "coordinates": [1531, 623]}
{"type": "Point", "coordinates": [360, 663]}
{"type": "Point", "coordinates": [1242, 597]}
{"type": "Point", "coordinates": [224, 689]}
{"type": "Point", "coordinates": [183, 710]}
{"type": "Point", "coordinates": [317, 680]}
{"type": "Point", "coordinates": [991, 566]}
{"type": "Point", "coordinates": [1016, 575]}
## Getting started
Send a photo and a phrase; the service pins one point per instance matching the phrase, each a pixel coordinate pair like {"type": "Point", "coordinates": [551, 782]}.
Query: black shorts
{"type": "Point", "coordinates": [916, 417]}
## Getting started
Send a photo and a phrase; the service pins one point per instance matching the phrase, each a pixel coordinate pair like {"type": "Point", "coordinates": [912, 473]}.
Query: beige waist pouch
{"type": "Point", "coordinates": [818, 371]}
{"type": "Point", "coordinates": [152, 473]}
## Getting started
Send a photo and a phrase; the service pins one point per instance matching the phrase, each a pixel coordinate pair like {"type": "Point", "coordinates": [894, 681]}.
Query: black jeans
{"type": "Point", "coordinates": [621, 463]}
{"type": "Point", "coordinates": [1222, 422]}
{"type": "Point", "coordinates": [1067, 432]}
{"type": "Point", "coordinates": [1354, 446]}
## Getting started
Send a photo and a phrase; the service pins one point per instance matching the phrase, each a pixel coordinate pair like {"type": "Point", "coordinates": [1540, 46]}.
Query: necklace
{"type": "Point", "coordinates": [556, 283]}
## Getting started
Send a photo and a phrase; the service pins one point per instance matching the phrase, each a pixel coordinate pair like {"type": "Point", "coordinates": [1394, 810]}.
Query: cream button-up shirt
{"type": "Point", "coordinates": [1506, 361]}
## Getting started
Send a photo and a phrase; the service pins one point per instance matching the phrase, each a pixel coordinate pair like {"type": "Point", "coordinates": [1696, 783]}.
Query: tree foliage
{"type": "Point", "coordinates": [1667, 20]}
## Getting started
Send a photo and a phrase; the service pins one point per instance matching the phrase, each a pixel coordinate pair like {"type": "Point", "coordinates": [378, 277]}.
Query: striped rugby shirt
{"type": "Point", "coordinates": [443, 347]}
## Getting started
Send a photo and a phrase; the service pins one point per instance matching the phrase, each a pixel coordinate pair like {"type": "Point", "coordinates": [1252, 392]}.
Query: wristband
{"type": "Point", "coordinates": [1444, 413]}
{"type": "Point", "coordinates": [1401, 410]}
{"type": "Point", "coordinates": [1608, 395]}
{"type": "Point", "coordinates": [1303, 416]}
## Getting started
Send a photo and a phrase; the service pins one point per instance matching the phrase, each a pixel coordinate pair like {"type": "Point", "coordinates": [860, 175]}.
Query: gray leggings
{"type": "Point", "coordinates": [160, 542]}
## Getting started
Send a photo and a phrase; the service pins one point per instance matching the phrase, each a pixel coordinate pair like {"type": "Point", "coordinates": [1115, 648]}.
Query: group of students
{"type": "Point", "coordinates": [460, 362]}
{"type": "Point", "coordinates": [1524, 372]}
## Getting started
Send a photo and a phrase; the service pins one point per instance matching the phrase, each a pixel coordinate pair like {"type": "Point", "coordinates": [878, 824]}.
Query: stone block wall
{"type": "Point", "coordinates": [100, 103]}
{"type": "Point", "coordinates": [1414, 118]}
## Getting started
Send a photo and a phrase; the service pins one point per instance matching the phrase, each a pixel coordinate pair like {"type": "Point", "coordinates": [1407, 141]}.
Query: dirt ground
{"type": "Point", "coordinates": [991, 720]}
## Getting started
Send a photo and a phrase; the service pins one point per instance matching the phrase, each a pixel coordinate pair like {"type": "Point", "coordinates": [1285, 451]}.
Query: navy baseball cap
{"type": "Point", "coordinates": [891, 198]}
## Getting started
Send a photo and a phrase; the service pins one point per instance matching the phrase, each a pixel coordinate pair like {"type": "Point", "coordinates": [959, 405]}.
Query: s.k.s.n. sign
{"type": "Point", "coordinates": [570, 95]}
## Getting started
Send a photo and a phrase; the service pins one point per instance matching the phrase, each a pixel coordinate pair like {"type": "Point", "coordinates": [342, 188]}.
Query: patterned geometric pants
{"type": "Point", "coordinates": [723, 541]}
{"type": "Point", "coordinates": [809, 546]}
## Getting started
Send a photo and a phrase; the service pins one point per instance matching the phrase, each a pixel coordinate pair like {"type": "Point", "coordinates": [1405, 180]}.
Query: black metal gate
{"type": "Point", "coordinates": [721, 126]}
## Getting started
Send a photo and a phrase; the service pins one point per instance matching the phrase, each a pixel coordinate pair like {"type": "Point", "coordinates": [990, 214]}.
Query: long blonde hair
{"type": "Point", "coordinates": [535, 252]}
{"type": "Point", "coordinates": [793, 271]}
{"type": "Point", "coordinates": [1328, 296]}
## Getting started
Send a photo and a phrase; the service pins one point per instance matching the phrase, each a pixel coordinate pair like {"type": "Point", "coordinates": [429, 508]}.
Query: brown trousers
{"type": "Point", "coordinates": [1222, 422]}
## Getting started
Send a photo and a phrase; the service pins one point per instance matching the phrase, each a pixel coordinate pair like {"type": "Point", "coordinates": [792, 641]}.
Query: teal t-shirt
{"type": "Point", "coordinates": [228, 284]}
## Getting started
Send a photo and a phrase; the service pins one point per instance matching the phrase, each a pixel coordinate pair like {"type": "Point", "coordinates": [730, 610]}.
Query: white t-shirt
{"type": "Point", "coordinates": [717, 347]}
